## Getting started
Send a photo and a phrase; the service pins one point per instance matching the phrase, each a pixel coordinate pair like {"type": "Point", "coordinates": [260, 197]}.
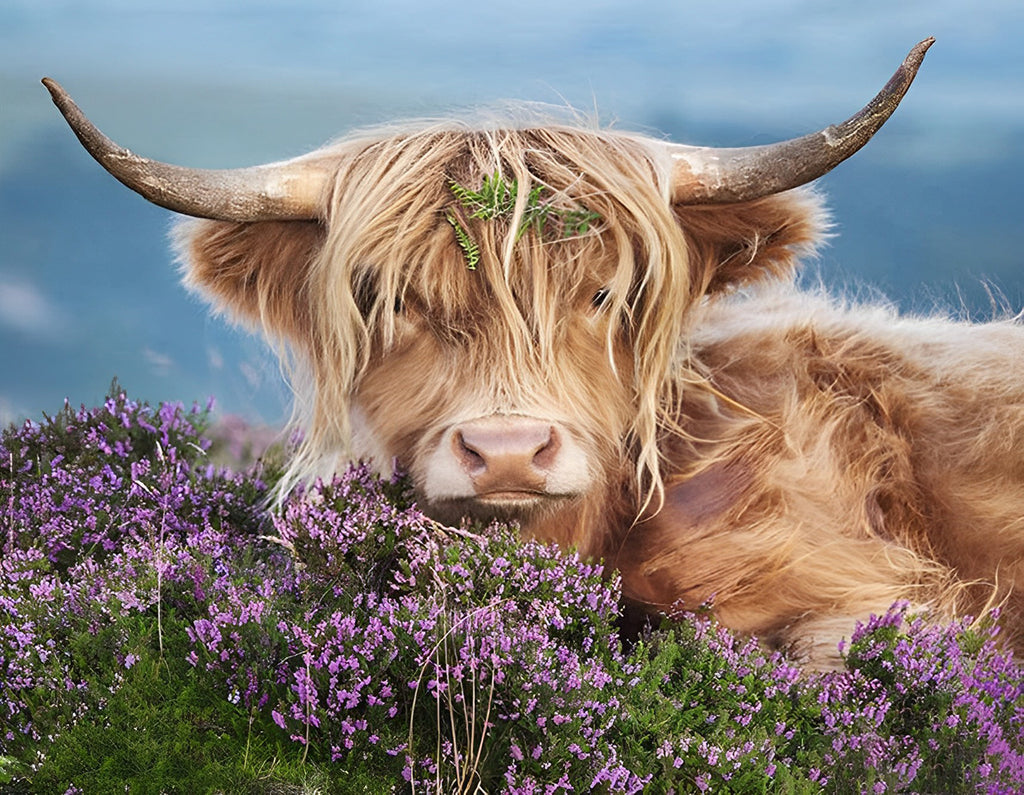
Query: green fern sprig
{"type": "Point", "coordinates": [577, 222]}
{"type": "Point", "coordinates": [497, 199]}
{"type": "Point", "coordinates": [470, 250]}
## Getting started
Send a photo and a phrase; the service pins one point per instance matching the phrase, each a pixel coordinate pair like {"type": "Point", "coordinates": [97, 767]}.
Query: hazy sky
{"type": "Point", "coordinates": [717, 55]}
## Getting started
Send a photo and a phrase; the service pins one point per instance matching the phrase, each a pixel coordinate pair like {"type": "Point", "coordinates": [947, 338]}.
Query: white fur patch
{"type": "Point", "coordinates": [366, 444]}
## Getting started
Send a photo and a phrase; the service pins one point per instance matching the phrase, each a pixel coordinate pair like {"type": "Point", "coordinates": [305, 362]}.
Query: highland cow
{"type": "Point", "coordinates": [598, 335]}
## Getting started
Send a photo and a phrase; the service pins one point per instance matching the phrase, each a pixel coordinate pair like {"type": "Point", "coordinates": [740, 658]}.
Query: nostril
{"type": "Point", "coordinates": [547, 451]}
{"type": "Point", "coordinates": [469, 457]}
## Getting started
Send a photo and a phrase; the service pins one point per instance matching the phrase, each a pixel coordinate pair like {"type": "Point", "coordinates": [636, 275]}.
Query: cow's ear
{"type": "Point", "coordinates": [256, 273]}
{"type": "Point", "coordinates": [732, 245]}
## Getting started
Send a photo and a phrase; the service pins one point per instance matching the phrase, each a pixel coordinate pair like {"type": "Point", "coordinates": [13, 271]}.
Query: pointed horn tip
{"type": "Point", "coordinates": [916, 55]}
{"type": "Point", "coordinates": [60, 97]}
{"type": "Point", "coordinates": [53, 87]}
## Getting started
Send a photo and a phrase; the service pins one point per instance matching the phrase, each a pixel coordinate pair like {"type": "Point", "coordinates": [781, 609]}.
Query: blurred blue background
{"type": "Point", "coordinates": [928, 214]}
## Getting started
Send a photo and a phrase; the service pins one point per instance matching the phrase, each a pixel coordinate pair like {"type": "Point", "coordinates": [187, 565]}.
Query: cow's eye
{"type": "Point", "coordinates": [600, 297]}
{"type": "Point", "coordinates": [398, 305]}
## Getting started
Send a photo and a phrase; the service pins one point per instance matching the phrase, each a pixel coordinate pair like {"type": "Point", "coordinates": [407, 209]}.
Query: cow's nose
{"type": "Point", "coordinates": [506, 454]}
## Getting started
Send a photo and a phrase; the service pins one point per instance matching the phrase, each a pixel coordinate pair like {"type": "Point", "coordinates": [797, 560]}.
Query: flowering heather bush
{"type": "Point", "coordinates": [161, 631]}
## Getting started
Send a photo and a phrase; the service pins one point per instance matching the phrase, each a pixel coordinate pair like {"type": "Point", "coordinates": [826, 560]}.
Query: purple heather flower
{"type": "Point", "coordinates": [363, 619]}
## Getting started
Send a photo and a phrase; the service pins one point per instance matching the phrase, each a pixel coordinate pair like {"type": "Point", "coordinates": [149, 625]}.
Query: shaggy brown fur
{"type": "Point", "coordinates": [798, 462]}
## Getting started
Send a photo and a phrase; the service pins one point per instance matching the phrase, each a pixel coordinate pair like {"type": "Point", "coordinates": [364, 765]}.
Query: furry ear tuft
{"type": "Point", "coordinates": [732, 245]}
{"type": "Point", "coordinates": [256, 273]}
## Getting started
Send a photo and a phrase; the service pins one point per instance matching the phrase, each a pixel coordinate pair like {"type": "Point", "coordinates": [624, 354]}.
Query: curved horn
{"type": "Point", "coordinates": [279, 191]}
{"type": "Point", "coordinates": [704, 175]}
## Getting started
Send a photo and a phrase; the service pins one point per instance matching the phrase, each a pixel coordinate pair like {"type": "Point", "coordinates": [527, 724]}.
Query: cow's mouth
{"type": "Point", "coordinates": [507, 505]}
{"type": "Point", "coordinates": [515, 497]}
